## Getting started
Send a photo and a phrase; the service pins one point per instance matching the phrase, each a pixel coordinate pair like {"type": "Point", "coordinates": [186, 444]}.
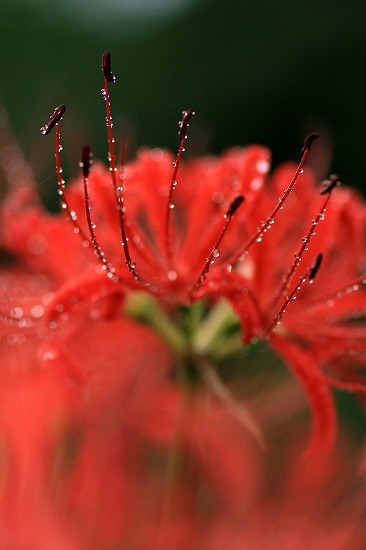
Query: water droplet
{"type": "Point", "coordinates": [172, 275]}
{"type": "Point", "coordinates": [262, 166]}
{"type": "Point", "coordinates": [216, 253]}
{"type": "Point", "coordinates": [16, 312]}
{"type": "Point", "coordinates": [37, 311]}
{"type": "Point", "coordinates": [321, 216]}
{"type": "Point", "coordinates": [171, 206]}
{"type": "Point", "coordinates": [258, 239]}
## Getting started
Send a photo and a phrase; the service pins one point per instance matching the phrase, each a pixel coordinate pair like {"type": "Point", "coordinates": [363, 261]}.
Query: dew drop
{"type": "Point", "coordinates": [16, 312]}
{"type": "Point", "coordinates": [172, 275]}
{"type": "Point", "coordinates": [37, 311]}
{"type": "Point", "coordinates": [216, 253]}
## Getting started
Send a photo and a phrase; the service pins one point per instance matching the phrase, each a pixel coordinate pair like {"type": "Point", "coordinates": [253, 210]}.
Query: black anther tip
{"type": "Point", "coordinates": [54, 119]}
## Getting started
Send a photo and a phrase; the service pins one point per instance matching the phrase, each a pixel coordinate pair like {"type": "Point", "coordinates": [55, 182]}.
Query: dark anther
{"type": "Point", "coordinates": [235, 203]}
{"type": "Point", "coordinates": [333, 181]}
{"type": "Point", "coordinates": [107, 67]}
{"type": "Point", "coordinates": [316, 266]}
{"type": "Point", "coordinates": [54, 119]}
{"type": "Point", "coordinates": [184, 123]}
{"type": "Point", "coordinates": [86, 160]}
{"type": "Point", "coordinates": [309, 140]}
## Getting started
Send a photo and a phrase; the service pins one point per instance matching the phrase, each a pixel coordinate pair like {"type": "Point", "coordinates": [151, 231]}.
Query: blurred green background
{"type": "Point", "coordinates": [254, 70]}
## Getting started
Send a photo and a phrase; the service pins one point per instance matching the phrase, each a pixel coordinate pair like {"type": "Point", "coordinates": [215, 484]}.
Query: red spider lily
{"type": "Point", "coordinates": [181, 234]}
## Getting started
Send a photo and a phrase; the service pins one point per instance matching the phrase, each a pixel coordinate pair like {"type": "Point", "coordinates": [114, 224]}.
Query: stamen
{"type": "Point", "coordinates": [265, 226]}
{"type": "Point", "coordinates": [54, 121]}
{"type": "Point", "coordinates": [310, 276]}
{"type": "Point", "coordinates": [86, 160]}
{"type": "Point", "coordinates": [328, 299]}
{"type": "Point", "coordinates": [309, 140]}
{"type": "Point", "coordinates": [107, 67]}
{"type": "Point", "coordinates": [334, 180]}
{"type": "Point", "coordinates": [118, 190]}
{"type": "Point", "coordinates": [316, 266]}
{"type": "Point", "coordinates": [332, 183]}
{"type": "Point", "coordinates": [215, 252]}
{"type": "Point", "coordinates": [183, 131]}
{"type": "Point", "coordinates": [85, 165]}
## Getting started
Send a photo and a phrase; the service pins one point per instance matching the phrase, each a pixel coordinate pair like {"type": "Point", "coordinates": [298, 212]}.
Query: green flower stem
{"type": "Point", "coordinates": [237, 408]}
{"type": "Point", "coordinates": [225, 347]}
{"type": "Point", "coordinates": [146, 309]}
{"type": "Point", "coordinates": [220, 317]}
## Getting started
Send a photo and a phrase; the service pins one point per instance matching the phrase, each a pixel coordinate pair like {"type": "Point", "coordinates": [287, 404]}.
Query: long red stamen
{"type": "Point", "coordinates": [215, 252]}
{"type": "Point", "coordinates": [328, 299]}
{"type": "Point", "coordinates": [266, 226]}
{"type": "Point", "coordinates": [85, 165]}
{"type": "Point", "coordinates": [118, 189]}
{"type": "Point", "coordinates": [54, 122]}
{"type": "Point", "coordinates": [331, 184]}
{"type": "Point", "coordinates": [309, 275]}
{"type": "Point", "coordinates": [183, 125]}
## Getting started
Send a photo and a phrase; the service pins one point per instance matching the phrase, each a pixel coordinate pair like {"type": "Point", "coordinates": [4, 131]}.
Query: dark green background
{"type": "Point", "coordinates": [254, 70]}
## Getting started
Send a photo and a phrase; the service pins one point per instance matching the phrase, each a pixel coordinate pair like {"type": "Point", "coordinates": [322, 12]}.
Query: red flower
{"type": "Point", "coordinates": [181, 243]}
